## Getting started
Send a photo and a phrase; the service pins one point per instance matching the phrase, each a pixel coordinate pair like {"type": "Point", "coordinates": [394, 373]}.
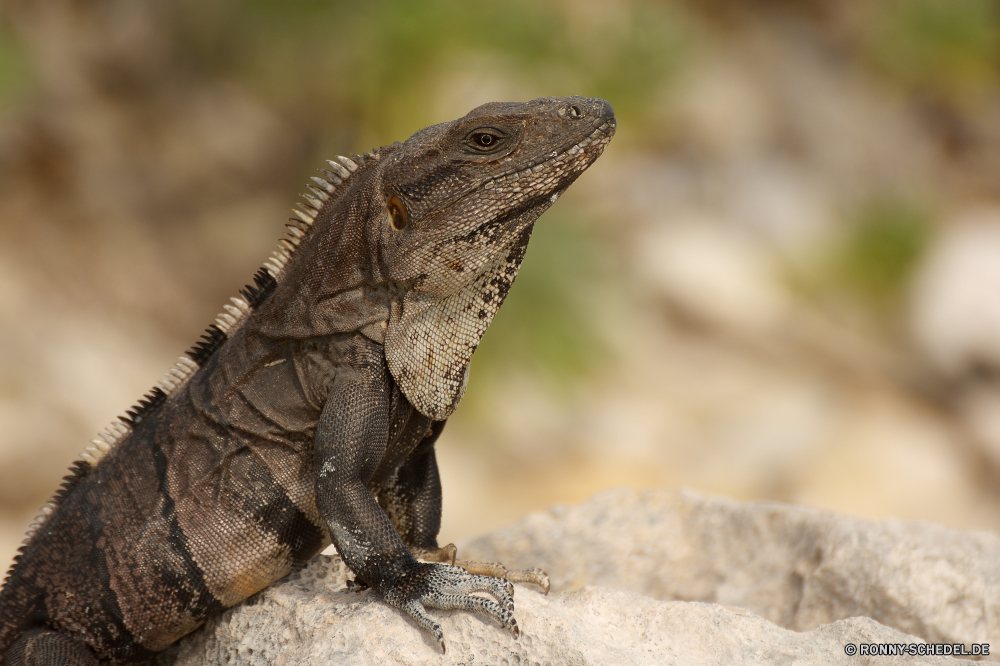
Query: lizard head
{"type": "Point", "coordinates": [459, 200]}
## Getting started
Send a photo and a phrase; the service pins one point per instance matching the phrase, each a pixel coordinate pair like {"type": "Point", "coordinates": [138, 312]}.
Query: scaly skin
{"type": "Point", "coordinates": [309, 411]}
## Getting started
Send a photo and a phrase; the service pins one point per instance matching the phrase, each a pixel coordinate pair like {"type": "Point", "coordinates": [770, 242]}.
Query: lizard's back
{"type": "Point", "coordinates": [185, 516]}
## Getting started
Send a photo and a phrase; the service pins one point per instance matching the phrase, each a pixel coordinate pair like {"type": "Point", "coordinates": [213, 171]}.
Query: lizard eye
{"type": "Point", "coordinates": [486, 139]}
{"type": "Point", "coordinates": [397, 213]}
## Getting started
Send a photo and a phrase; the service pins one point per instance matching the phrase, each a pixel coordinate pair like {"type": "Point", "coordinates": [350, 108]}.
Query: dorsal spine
{"type": "Point", "coordinates": [323, 190]}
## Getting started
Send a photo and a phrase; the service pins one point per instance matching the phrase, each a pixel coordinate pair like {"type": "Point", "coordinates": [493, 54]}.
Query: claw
{"type": "Point", "coordinates": [452, 588]}
{"type": "Point", "coordinates": [448, 587]}
{"type": "Point", "coordinates": [416, 610]}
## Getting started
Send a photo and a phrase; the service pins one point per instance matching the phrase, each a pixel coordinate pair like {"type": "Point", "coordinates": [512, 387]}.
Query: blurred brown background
{"type": "Point", "coordinates": [781, 281]}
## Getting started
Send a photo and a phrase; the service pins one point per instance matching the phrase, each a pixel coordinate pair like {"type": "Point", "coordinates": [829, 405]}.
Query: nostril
{"type": "Point", "coordinates": [575, 112]}
{"type": "Point", "coordinates": [607, 111]}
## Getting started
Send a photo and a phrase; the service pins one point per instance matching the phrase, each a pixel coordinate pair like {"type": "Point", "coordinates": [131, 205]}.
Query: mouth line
{"type": "Point", "coordinates": [602, 134]}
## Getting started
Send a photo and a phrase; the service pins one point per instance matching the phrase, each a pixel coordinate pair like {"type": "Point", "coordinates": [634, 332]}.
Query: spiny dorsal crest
{"type": "Point", "coordinates": [323, 190]}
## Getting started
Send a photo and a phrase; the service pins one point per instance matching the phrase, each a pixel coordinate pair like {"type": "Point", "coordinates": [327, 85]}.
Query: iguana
{"type": "Point", "coordinates": [308, 412]}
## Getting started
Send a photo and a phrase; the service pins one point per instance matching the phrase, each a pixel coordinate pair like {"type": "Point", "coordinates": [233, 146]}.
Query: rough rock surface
{"type": "Point", "coordinates": [762, 564]}
{"type": "Point", "coordinates": [796, 567]}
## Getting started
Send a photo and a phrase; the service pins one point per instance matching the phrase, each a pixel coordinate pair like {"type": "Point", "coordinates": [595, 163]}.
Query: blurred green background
{"type": "Point", "coordinates": [781, 281]}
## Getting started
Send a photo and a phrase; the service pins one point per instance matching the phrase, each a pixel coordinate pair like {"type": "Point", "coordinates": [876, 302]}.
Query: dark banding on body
{"type": "Point", "coordinates": [241, 528]}
{"type": "Point", "coordinates": [157, 582]}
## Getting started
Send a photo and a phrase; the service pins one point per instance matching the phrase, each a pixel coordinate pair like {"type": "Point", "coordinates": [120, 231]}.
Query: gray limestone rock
{"type": "Point", "coordinates": [829, 581]}
{"type": "Point", "coordinates": [796, 567]}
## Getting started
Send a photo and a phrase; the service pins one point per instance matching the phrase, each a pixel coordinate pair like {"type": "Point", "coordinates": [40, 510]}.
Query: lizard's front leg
{"type": "Point", "coordinates": [351, 439]}
{"type": "Point", "coordinates": [412, 500]}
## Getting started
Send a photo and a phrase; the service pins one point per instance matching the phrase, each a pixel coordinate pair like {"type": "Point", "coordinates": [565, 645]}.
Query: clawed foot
{"type": "Point", "coordinates": [451, 588]}
{"type": "Point", "coordinates": [495, 569]}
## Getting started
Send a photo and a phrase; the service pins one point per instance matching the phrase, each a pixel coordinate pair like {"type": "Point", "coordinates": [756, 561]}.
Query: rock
{"type": "Point", "coordinates": [309, 621]}
{"type": "Point", "coordinates": [762, 565]}
{"type": "Point", "coordinates": [955, 313]}
{"type": "Point", "coordinates": [713, 273]}
{"type": "Point", "coordinates": [796, 567]}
